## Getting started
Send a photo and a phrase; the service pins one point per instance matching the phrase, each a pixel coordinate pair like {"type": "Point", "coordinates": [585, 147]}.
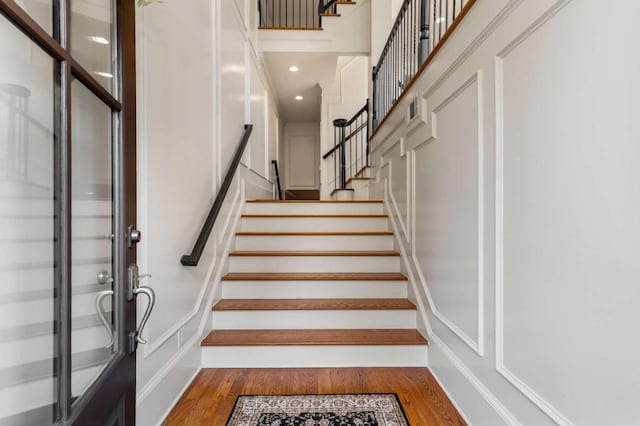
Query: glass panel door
{"type": "Point", "coordinates": [92, 233]}
{"type": "Point", "coordinates": [27, 284]}
{"type": "Point", "coordinates": [68, 331]}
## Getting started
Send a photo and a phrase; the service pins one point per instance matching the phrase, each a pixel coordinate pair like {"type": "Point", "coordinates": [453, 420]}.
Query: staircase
{"type": "Point", "coordinates": [314, 284]}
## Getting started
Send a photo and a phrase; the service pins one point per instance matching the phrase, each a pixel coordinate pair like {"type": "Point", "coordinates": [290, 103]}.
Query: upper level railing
{"type": "Point", "coordinates": [416, 35]}
{"type": "Point", "coordinates": [294, 14]}
{"type": "Point", "coordinates": [193, 258]}
{"type": "Point", "coordinates": [351, 147]}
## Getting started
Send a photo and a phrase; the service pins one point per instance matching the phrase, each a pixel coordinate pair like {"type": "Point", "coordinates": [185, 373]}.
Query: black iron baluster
{"type": "Point", "coordinates": [335, 156]}
{"type": "Point", "coordinates": [341, 123]}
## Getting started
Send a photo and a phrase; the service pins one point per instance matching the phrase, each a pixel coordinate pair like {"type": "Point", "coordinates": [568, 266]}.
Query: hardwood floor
{"type": "Point", "coordinates": [211, 397]}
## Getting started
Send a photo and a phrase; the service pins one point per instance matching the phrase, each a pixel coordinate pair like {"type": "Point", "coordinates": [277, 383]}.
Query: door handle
{"type": "Point", "coordinates": [147, 291]}
{"type": "Point", "coordinates": [99, 298]}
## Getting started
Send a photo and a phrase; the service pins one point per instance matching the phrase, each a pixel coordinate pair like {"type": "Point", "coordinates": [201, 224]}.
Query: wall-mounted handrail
{"type": "Point", "coordinates": [193, 258]}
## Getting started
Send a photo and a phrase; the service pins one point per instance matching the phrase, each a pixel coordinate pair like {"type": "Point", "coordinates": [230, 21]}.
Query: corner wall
{"type": "Point", "coordinates": [513, 196]}
{"type": "Point", "coordinates": [199, 82]}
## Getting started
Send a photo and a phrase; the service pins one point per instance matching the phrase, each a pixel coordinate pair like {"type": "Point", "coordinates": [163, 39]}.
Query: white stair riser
{"type": "Point", "coordinates": [37, 311]}
{"type": "Point", "coordinates": [32, 395]}
{"type": "Point", "coordinates": [338, 319]}
{"type": "Point", "coordinates": [17, 281]}
{"type": "Point", "coordinates": [361, 189]}
{"type": "Point", "coordinates": [342, 195]}
{"type": "Point", "coordinates": [42, 227]}
{"type": "Point", "coordinates": [27, 207]}
{"type": "Point", "coordinates": [314, 208]}
{"type": "Point", "coordinates": [314, 264]}
{"type": "Point", "coordinates": [314, 356]}
{"type": "Point", "coordinates": [313, 289]}
{"type": "Point", "coordinates": [361, 194]}
{"type": "Point", "coordinates": [306, 224]}
{"type": "Point", "coordinates": [25, 252]}
{"type": "Point", "coordinates": [315, 242]}
{"type": "Point", "coordinates": [40, 348]}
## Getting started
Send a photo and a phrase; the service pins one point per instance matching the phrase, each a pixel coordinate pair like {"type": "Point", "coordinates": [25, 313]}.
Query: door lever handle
{"type": "Point", "coordinates": [147, 291]}
{"type": "Point", "coordinates": [99, 298]}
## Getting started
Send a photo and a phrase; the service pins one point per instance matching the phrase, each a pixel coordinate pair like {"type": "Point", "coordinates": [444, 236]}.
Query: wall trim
{"type": "Point", "coordinates": [157, 343]}
{"type": "Point", "coordinates": [488, 396]}
{"type": "Point", "coordinates": [479, 345]}
{"type": "Point", "coordinates": [157, 378]}
{"type": "Point", "coordinates": [404, 226]}
{"type": "Point", "coordinates": [422, 311]}
{"type": "Point", "coordinates": [501, 368]}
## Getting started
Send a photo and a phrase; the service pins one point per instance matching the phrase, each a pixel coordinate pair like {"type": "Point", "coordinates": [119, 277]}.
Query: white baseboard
{"type": "Point", "coordinates": [167, 386]}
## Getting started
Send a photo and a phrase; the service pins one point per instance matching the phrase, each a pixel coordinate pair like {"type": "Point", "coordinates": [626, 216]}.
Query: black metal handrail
{"type": "Point", "coordinates": [417, 30]}
{"type": "Point", "coordinates": [327, 6]}
{"type": "Point", "coordinates": [198, 248]}
{"type": "Point", "coordinates": [351, 146]}
{"type": "Point", "coordinates": [277, 176]}
{"type": "Point", "coordinates": [295, 14]}
{"type": "Point", "coordinates": [348, 123]}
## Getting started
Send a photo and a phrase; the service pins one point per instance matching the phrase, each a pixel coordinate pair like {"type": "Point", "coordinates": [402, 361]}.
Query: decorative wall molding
{"type": "Point", "coordinates": [519, 384]}
{"type": "Point", "coordinates": [479, 345]}
{"type": "Point", "coordinates": [488, 396]}
{"type": "Point", "coordinates": [157, 343]}
{"type": "Point", "coordinates": [422, 311]}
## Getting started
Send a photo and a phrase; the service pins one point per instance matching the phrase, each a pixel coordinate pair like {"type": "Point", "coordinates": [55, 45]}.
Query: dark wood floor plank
{"type": "Point", "coordinates": [211, 397]}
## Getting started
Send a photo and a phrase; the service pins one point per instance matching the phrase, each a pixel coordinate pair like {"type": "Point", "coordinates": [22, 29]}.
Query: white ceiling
{"type": "Point", "coordinates": [314, 68]}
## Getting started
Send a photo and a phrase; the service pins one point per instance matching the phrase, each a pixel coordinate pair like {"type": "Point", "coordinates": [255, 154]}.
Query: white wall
{"type": "Point", "coordinates": [199, 82]}
{"type": "Point", "coordinates": [348, 33]}
{"type": "Point", "coordinates": [382, 17]}
{"type": "Point", "coordinates": [515, 202]}
{"type": "Point", "coordinates": [342, 98]}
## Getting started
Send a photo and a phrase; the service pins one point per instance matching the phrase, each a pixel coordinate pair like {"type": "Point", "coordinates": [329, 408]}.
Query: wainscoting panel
{"type": "Point", "coordinates": [446, 222]}
{"type": "Point", "coordinates": [567, 226]}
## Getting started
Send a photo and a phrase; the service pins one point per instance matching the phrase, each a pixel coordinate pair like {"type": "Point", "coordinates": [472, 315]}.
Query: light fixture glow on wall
{"type": "Point", "coordinates": [99, 40]}
{"type": "Point", "coordinates": [293, 68]}
{"type": "Point", "coordinates": [104, 74]}
{"type": "Point", "coordinates": [299, 98]}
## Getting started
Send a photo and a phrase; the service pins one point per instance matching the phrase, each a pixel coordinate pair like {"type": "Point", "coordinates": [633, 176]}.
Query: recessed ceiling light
{"type": "Point", "coordinates": [299, 98]}
{"type": "Point", "coordinates": [293, 68]}
{"type": "Point", "coordinates": [99, 40]}
{"type": "Point", "coordinates": [104, 74]}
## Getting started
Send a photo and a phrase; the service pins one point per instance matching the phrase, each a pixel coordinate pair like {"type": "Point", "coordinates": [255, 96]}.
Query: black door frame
{"type": "Point", "coordinates": [114, 390]}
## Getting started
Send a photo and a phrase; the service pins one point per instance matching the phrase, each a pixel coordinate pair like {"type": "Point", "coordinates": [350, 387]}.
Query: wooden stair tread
{"type": "Point", "coordinates": [313, 234]}
{"type": "Point", "coordinates": [313, 304]}
{"type": "Point", "coordinates": [341, 189]}
{"type": "Point", "coordinates": [245, 253]}
{"type": "Point", "coordinates": [316, 201]}
{"type": "Point", "coordinates": [330, 15]}
{"type": "Point", "coordinates": [320, 216]}
{"type": "Point", "coordinates": [376, 337]}
{"type": "Point", "coordinates": [357, 178]}
{"type": "Point", "coordinates": [292, 28]}
{"type": "Point", "coordinates": [314, 276]}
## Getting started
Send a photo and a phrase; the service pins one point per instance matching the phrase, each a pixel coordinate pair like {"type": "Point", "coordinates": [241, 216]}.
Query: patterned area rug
{"type": "Point", "coordinates": [318, 410]}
